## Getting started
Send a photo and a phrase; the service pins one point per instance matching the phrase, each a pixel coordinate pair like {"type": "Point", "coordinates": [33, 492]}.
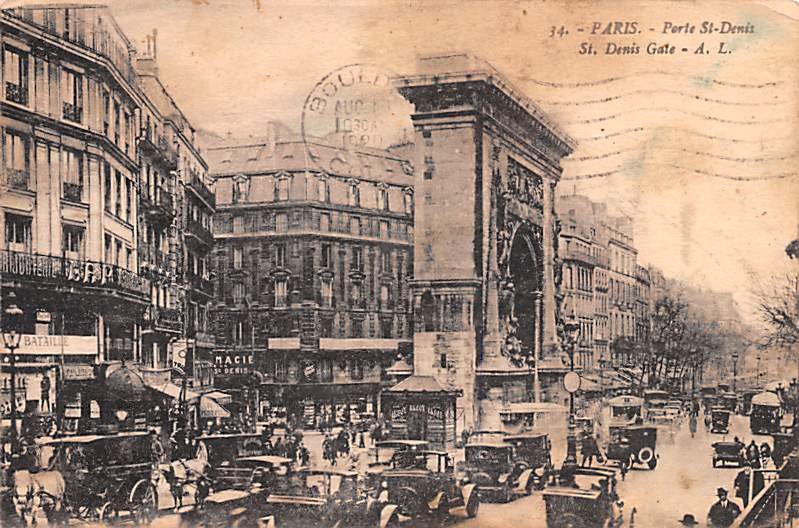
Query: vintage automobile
{"type": "Point", "coordinates": [327, 497]}
{"type": "Point", "coordinates": [228, 508]}
{"type": "Point", "coordinates": [655, 399]}
{"type": "Point", "coordinates": [728, 452]}
{"type": "Point", "coordinates": [625, 410]}
{"type": "Point", "coordinates": [720, 420]}
{"type": "Point", "coordinates": [422, 484]}
{"type": "Point", "coordinates": [639, 449]}
{"type": "Point", "coordinates": [492, 468]}
{"type": "Point", "coordinates": [222, 452]}
{"type": "Point", "coordinates": [784, 443]}
{"type": "Point", "coordinates": [384, 450]}
{"type": "Point", "coordinates": [534, 451]}
{"type": "Point", "coordinates": [766, 413]}
{"type": "Point", "coordinates": [265, 470]}
{"type": "Point", "coordinates": [590, 501]}
{"type": "Point", "coordinates": [728, 400]}
{"type": "Point", "coordinates": [746, 400]}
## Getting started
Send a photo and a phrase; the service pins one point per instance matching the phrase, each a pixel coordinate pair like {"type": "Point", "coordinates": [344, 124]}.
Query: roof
{"type": "Point", "coordinates": [532, 407]}
{"type": "Point", "coordinates": [328, 471]}
{"type": "Point", "coordinates": [268, 459]}
{"type": "Point", "coordinates": [222, 436]}
{"type": "Point", "coordinates": [626, 400]}
{"type": "Point", "coordinates": [523, 436]}
{"type": "Point", "coordinates": [87, 439]}
{"type": "Point", "coordinates": [492, 445]}
{"type": "Point", "coordinates": [400, 443]}
{"type": "Point", "coordinates": [766, 398]}
{"type": "Point", "coordinates": [315, 156]}
{"type": "Point", "coordinates": [417, 383]}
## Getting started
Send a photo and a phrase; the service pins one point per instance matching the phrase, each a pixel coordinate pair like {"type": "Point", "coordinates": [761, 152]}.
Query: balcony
{"type": "Point", "coordinates": [167, 319]}
{"type": "Point", "coordinates": [168, 152]}
{"type": "Point", "coordinates": [72, 273]}
{"type": "Point", "coordinates": [203, 192]}
{"type": "Point", "coordinates": [73, 112]}
{"type": "Point", "coordinates": [580, 256]}
{"type": "Point", "coordinates": [16, 93]}
{"type": "Point", "coordinates": [159, 207]}
{"type": "Point", "coordinates": [196, 230]}
{"type": "Point", "coordinates": [17, 179]}
{"type": "Point", "coordinates": [201, 284]}
{"type": "Point", "coordinates": [73, 192]}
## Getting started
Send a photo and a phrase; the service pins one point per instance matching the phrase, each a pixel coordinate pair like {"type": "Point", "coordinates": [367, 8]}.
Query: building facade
{"type": "Point", "coordinates": [75, 212]}
{"type": "Point", "coordinates": [313, 258]}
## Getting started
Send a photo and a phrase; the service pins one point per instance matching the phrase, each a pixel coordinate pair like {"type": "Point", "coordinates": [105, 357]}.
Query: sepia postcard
{"type": "Point", "coordinates": [394, 264]}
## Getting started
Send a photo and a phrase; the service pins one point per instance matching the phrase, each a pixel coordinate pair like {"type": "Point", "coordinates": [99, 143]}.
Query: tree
{"type": "Point", "coordinates": [778, 307]}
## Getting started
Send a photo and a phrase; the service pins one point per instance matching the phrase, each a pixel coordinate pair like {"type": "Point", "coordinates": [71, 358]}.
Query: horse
{"type": "Point", "coordinates": [36, 493]}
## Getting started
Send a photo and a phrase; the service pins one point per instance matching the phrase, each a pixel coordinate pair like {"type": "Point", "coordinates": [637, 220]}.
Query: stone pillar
{"type": "Point", "coordinates": [537, 347]}
{"type": "Point", "coordinates": [550, 336]}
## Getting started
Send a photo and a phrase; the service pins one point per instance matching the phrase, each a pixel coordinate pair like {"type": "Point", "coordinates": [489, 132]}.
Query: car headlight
{"type": "Point", "coordinates": [384, 485]}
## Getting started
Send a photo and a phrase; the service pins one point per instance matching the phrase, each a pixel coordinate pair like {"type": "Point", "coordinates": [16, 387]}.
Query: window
{"type": "Point", "coordinates": [356, 328]}
{"type": "Point", "coordinates": [324, 222]}
{"type": "Point", "coordinates": [128, 200]}
{"type": "Point", "coordinates": [16, 148]}
{"type": "Point", "coordinates": [280, 255]}
{"type": "Point", "coordinates": [15, 73]}
{"type": "Point", "coordinates": [327, 256]}
{"type": "Point", "coordinates": [322, 190]}
{"type": "Point", "coordinates": [385, 296]}
{"type": "Point", "coordinates": [355, 225]}
{"type": "Point", "coordinates": [108, 249]}
{"type": "Point", "coordinates": [354, 195]}
{"type": "Point", "coordinates": [428, 174]}
{"type": "Point", "coordinates": [386, 261]}
{"type": "Point", "coordinates": [281, 292]}
{"type": "Point", "coordinates": [386, 328]}
{"type": "Point", "coordinates": [327, 292]}
{"type": "Point", "coordinates": [385, 230]}
{"type": "Point", "coordinates": [281, 222]}
{"type": "Point", "coordinates": [407, 199]}
{"type": "Point", "coordinates": [442, 361]}
{"type": "Point", "coordinates": [107, 113]}
{"type": "Point", "coordinates": [118, 194]}
{"type": "Point", "coordinates": [118, 253]}
{"type": "Point", "coordinates": [73, 175]}
{"type": "Point", "coordinates": [356, 293]}
{"type": "Point", "coordinates": [116, 124]}
{"type": "Point", "coordinates": [357, 259]}
{"type": "Point", "coordinates": [356, 369]}
{"type": "Point", "coordinates": [382, 199]}
{"type": "Point", "coordinates": [237, 258]}
{"type": "Point", "coordinates": [72, 95]}
{"type": "Point", "coordinates": [72, 242]}
{"type": "Point", "coordinates": [129, 258]}
{"type": "Point", "coordinates": [280, 369]}
{"type": "Point", "coordinates": [107, 186]}
{"type": "Point", "coordinates": [18, 232]}
{"type": "Point", "coordinates": [326, 327]}
{"type": "Point", "coordinates": [325, 367]}
{"type": "Point", "coordinates": [282, 190]}
{"type": "Point", "coordinates": [127, 133]}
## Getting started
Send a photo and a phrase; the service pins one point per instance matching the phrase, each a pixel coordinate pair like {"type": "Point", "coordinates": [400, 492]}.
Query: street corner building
{"type": "Point", "coordinates": [313, 267]}
{"type": "Point", "coordinates": [106, 217]}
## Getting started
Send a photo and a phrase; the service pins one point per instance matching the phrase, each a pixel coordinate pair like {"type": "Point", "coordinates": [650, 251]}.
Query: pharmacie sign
{"type": "Point", "coordinates": [232, 362]}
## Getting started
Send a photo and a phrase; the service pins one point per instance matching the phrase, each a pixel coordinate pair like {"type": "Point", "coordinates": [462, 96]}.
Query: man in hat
{"type": "Point", "coordinates": [688, 520]}
{"type": "Point", "coordinates": [724, 511]}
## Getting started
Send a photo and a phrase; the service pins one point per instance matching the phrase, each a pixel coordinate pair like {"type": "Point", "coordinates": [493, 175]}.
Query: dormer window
{"type": "Point", "coordinates": [353, 194]}
{"type": "Point", "coordinates": [382, 198]}
{"type": "Point", "coordinates": [241, 189]}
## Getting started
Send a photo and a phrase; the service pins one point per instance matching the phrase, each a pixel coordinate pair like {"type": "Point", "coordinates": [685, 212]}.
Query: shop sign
{"type": "Point", "coordinates": [90, 273]}
{"type": "Point", "coordinates": [78, 372]}
{"type": "Point", "coordinates": [398, 413]}
{"type": "Point", "coordinates": [435, 413]}
{"type": "Point", "coordinates": [232, 363]}
{"type": "Point", "coordinates": [55, 345]}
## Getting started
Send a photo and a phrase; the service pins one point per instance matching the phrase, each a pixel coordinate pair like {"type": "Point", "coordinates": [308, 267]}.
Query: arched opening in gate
{"type": "Point", "coordinates": [525, 275]}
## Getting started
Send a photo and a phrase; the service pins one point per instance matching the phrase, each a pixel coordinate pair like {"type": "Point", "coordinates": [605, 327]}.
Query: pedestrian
{"type": "Point", "coordinates": [279, 449]}
{"type": "Point", "coordinates": [361, 442]}
{"type": "Point", "coordinates": [688, 520]}
{"type": "Point", "coordinates": [753, 455]}
{"type": "Point", "coordinates": [625, 457]}
{"type": "Point", "coordinates": [692, 424]}
{"type": "Point", "coordinates": [305, 456]}
{"type": "Point", "coordinates": [708, 421]}
{"type": "Point", "coordinates": [724, 511]}
{"type": "Point", "coordinates": [765, 454]}
{"type": "Point", "coordinates": [589, 449]}
{"type": "Point", "coordinates": [45, 394]}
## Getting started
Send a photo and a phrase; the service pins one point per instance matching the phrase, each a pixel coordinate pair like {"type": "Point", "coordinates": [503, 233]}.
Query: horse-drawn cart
{"type": "Point", "coordinates": [91, 478]}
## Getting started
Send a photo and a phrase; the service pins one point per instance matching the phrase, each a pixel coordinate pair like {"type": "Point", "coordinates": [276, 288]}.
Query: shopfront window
{"type": "Point", "coordinates": [18, 232]}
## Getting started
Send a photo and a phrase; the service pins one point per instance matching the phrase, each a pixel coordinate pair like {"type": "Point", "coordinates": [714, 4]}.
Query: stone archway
{"type": "Point", "coordinates": [524, 277]}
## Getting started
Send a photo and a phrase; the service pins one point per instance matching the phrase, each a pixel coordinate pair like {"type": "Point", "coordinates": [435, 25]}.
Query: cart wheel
{"type": "Point", "coordinates": [88, 512]}
{"type": "Point", "coordinates": [109, 514]}
{"type": "Point", "coordinates": [143, 502]}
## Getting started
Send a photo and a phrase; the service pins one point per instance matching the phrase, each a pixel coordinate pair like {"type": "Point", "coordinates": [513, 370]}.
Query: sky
{"type": "Point", "coordinates": [699, 148]}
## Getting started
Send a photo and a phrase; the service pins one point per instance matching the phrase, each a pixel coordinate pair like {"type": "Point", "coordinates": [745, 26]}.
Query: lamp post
{"type": "Point", "coordinates": [734, 369]}
{"type": "Point", "coordinates": [571, 382]}
{"type": "Point", "coordinates": [758, 370]}
{"type": "Point", "coordinates": [12, 319]}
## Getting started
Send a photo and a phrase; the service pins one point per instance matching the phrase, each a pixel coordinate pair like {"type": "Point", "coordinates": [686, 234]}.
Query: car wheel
{"type": "Point", "coordinates": [473, 506]}
{"type": "Point", "coordinates": [653, 463]}
{"type": "Point", "coordinates": [715, 463]}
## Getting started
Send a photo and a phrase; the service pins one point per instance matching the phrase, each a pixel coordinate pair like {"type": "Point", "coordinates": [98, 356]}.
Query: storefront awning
{"type": "Point", "coordinates": [173, 391]}
{"type": "Point", "coordinates": [424, 384]}
{"type": "Point", "coordinates": [222, 398]}
{"type": "Point", "coordinates": [210, 409]}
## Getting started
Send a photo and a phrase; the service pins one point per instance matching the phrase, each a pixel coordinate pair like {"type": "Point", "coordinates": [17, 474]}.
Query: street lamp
{"type": "Point", "coordinates": [571, 382]}
{"type": "Point", "coordinates": [758, 370]}
{"type": "Point", "coordinates": [734, 369]}
{"type": "Point", "coordinates": [12, 320]}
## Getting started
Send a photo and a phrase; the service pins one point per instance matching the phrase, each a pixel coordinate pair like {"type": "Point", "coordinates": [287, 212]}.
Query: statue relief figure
{"type": "Point", "coordinates": [504, 245]}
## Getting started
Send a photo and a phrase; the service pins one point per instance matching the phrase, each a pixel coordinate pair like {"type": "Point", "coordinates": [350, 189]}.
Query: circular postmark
{"type": "Point", "coordinates": [352, 108]}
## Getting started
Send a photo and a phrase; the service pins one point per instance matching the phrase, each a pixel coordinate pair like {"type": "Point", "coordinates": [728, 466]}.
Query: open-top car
{"type": "Point", "coordinates": [265, 470]}
{"type": "Point", "coordinates": [327, 497]}
{"type": "Point", "coordinates": [728, 453]}
{"type": "Point", "coordinates": [423, 486]}
{"type": "Point", "coordinates": [589, 501]}
{"type": "Point", "coordinates": [384, 450]}
{"type": "Point", "coordinates": [491, 466]}
{"type": "Point", "coordinates": [634, 445]}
